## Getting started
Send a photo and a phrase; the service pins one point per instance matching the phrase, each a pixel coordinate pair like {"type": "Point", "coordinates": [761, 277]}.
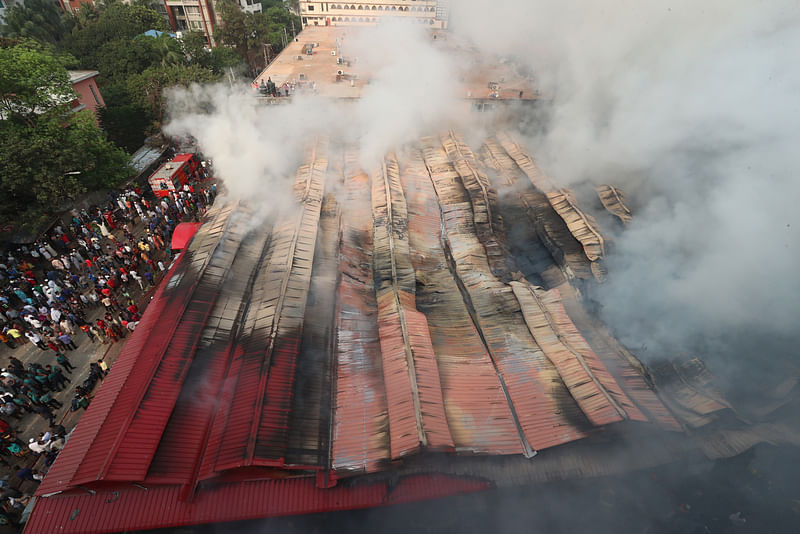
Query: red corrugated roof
{"type": "Point", "coordinates": [182, 234]}
{"type": "Point", "coordinates": [129, 507]}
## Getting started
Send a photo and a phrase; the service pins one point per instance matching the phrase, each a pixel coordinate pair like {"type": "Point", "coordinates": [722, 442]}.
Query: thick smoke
{"type": "Point", "coordinates": [692, 107]}
{"type": "Point", "coordinates": [257, 148]}
{"type": "Point", "coordinates": [689, 107]}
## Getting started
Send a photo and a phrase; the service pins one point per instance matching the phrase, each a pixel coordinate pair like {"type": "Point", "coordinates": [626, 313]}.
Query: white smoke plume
{"type": "Point", "coordinates": [692, 107]}
{"type": "Point", "coordinates": [256, 148]}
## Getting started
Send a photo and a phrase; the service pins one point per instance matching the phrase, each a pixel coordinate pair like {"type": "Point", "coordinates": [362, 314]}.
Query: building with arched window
{"type": "Point", "coordinates": [431, 13]}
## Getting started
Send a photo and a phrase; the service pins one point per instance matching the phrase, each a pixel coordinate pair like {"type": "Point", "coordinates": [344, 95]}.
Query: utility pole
{"type": "Point", "coordinates": [293, 34]}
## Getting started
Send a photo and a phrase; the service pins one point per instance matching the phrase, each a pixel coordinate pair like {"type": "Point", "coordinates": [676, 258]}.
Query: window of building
{"type": "Point", "coordinates": [311, 8]}
{"type": "Point", "coordinates": [305, 20]}
{"type": "Point", "coordinates": [192, 10]}
{"type": "Point", "coordinates": [94, 94]}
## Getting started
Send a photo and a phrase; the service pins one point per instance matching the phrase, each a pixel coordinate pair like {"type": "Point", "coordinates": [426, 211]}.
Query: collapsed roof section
{"type": "Point", "coordinates": [376, 323]}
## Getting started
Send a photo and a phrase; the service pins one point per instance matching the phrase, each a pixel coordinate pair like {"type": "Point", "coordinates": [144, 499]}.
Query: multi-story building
{"type": "Point", "coordinates": [432, 13]}
{"type": "Point", "coordinates": [200, 15]}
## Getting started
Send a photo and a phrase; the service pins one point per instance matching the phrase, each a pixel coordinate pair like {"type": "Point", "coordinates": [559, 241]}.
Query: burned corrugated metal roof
{"type": "Point", "coordinates": [377, 322]}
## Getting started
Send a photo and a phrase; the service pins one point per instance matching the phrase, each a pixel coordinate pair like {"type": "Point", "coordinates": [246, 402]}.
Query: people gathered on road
{"type": "Point", "coordinates": [79, 281]}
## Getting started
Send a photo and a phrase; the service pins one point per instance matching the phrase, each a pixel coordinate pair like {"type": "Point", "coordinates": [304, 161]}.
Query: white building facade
{"type": "Point", "coordinates": [431, 13]}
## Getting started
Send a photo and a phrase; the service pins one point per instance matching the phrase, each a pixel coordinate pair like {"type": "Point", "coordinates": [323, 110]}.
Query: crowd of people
{"type": "Point", "coordinates": [80, 279]}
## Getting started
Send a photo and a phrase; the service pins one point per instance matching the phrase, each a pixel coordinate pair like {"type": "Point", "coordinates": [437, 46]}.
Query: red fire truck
{"type": "Point", "coordinates": [172, 175]}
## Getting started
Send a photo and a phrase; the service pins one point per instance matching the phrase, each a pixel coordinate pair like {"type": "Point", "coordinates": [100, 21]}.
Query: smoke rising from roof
{"type": "Point", "coordinates": [691, 108]}
{"type": "Point", "coordinates": [256, 148]}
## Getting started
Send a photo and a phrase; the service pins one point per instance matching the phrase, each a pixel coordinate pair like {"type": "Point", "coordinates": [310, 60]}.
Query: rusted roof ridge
{"type": "Point", "coordinates": [573, 264]}
{"type": "Point", "coordinates": [175, 448]}
{"type": "Point", "coordinates": [615, 385]}
{"type": "Point", "coordinates": [257, 346]}
{"type": "Point", "coordinates": [458, 153]}
{"type": "Point", "coordinates": [247, 337]}
{"type": "Point", "coordinates": [582, 381]}
{"type": "Point", "coordinates": [547, 412]}
{"type": "Point", "coordinates": [483, 198]}
{"type": "Point", "coordinates": [424, 370]}
{"type": "Point", "coordinates": [430, 159]}
{"type": "Point", "coordinates": [624, 367]}
{"type": "Point", "coordinates": [389, 307]}
{"type": "Point", "coordinates": [477, 409]}
{"type": "Point", "coordinates": [360, 427]}
{"type": "Point", "coordinates": [613, 200]}
{"type": "Point", "coordinates": [269, 424]}
{"type": "Point", "coordinates": [309, 421]}
{"type": "Point", "coordinates": [582, 225]}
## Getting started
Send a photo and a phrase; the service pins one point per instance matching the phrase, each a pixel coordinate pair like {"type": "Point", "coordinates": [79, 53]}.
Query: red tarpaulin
{"type": "Point", "coordinates": [183, 234]}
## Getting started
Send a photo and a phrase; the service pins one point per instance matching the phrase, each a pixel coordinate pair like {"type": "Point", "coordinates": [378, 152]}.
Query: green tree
{"type": "Point", "coordinates": [31, 82]}
{"type": "Point", "coordinates": [215, 59]}
{"type": "Point", "coordinates": [35, 19]}
{"type": "Point", "coordinates": [233, 31]}
{"type": "Point", "coordinates": [249, 33]}
{"type": "Point", "coordinates": [86, 15]}
{"type": "Point", "coordinates": [147, 88]}
{"type": "Point", "coordinates": [48, 154]}
{"type": "Point", "coordinates": [125, 121]}
{"type": "Point", "coordinates": [121, 58]}
{"type": "Point", "coordinates": [117, 21]}
{"type": "Point", "coordinates": [168, 49]}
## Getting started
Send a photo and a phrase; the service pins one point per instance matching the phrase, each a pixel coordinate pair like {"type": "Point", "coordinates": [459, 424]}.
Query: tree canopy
{"type": "Point", "coordinates": [249, 33]}
{"type": "Point", "coordinates": [117, 21]}
{"type": "Point", "coordinates": [48, 153]}
{"type": "Point", "coordinates": [31, 82]}
{"type": "Point", "coordinates": [35, 19]}
{"type": "Point", "coordinates": [147, 88]}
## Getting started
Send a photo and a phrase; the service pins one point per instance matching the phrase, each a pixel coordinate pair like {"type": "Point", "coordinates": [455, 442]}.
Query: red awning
{"type": "Point", "coordinates": [183, 234]}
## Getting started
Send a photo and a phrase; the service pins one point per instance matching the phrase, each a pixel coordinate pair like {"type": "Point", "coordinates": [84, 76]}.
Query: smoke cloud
{"type": "Point", "coordinates": [692, 109]}
{"type": "Point", "coordinates": [257, 148]}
